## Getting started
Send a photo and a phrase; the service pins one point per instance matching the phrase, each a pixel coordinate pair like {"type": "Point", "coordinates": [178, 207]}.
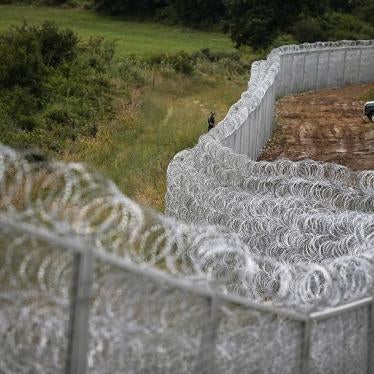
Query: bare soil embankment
{"type": "Point", "coordinates": [327, 125]}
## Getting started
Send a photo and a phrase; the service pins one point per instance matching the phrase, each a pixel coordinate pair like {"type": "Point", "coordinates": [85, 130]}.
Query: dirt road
{"type": "Point", "coordinates": [327, 125]}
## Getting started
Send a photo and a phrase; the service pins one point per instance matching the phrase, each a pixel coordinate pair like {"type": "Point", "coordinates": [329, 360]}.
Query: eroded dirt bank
{"type": "Point", "coordinates": [327, 125]}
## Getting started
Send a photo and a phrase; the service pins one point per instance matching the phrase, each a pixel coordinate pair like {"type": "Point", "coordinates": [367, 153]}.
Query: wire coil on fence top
{"type": "Point", "coordinates": [201, 291]}
{"type": "Point", "coordinates": [291, 248]}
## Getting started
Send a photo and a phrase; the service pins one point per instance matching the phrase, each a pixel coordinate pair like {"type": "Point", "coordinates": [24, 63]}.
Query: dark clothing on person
{"type": "Point", "coordinates": [211, 122]}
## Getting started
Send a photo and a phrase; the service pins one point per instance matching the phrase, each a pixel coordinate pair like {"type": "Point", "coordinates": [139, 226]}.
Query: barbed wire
{"type": "Point", "coordinates": [314, 219]}
{"type": "Point", "coordinates": [294, 234]}
{"type": "Point", "coordinates": [289, 250]}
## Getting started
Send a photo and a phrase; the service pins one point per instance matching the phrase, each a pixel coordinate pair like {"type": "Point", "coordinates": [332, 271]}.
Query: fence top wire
{"type": "Point", "coordinates": [308, 224]}
{"type": "Point", "coordinates": [65, 201]}
{"type": "Point", "coordinates": [263, 76]}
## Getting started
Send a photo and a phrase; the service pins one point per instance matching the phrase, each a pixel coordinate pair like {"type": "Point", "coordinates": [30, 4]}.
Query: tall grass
{"type": "Point", "coordinates": [161, 99]}
{"type": "Point", "coordinates": [161, 120]}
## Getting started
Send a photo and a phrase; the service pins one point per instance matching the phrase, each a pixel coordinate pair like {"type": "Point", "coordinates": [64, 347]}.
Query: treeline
{"type": "Point", "coordinates": [259, 23]}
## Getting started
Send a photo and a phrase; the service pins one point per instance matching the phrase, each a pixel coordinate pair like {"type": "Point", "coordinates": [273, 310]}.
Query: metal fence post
{"type": "Point", "coordinates": [305, 359]}
{"type": "Point", "coordinates": [344, 65]}
{"type": "Point", "coordinates": [359, 66]}
{"type": "Point", "coordinates": [304, 65]}
{"type": "Point", "coordinates": [328, 68]}
{"type": "Point", "coordinates": [371, 339]}
{"type": "Point", "coordinates": [79, 314]}
{"type": "Point", "coordinates": [291, 76]}
{"type": "Point", "coordinates": [208, 339]}
{"type": "Point", "coordinates": [317, 71]}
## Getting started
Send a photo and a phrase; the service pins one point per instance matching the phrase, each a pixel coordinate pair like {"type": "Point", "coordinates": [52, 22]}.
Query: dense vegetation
{"type": "Point", "coordinates": [256, 23]}
{"type": "Point", "coordinates": [127, 115]}
{"type": "Point", "coordinates": [260, 23]}
{"type": "Point", "coordinates": [55, 88]}
{"type": "Point", "coordinates": [51, 86]}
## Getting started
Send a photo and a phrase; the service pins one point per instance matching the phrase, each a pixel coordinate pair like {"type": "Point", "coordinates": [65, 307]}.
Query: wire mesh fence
{"type": "Point", "coordinates": [93, 283]}
{"type": "Point", "coordinates": [90, 282]}
{"type": "Point", "coordinates": [289, 70]}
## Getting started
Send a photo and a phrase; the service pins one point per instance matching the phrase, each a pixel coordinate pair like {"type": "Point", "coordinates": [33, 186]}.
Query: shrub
{"type": "Point", "coordinates": [332, 26]}
{"type": "Point", "coordinates": [56, 46]}
{"type": "Point", "coordinates": [283, 39]}
{"type": "Point", "coordinates": [52, 86]}
{"type": "Point", "coordinates": [181, 62]}
{"type": "Point", "coordinates": [346, 26]}
{"type": "Point", "coordinates": [60, 3]}
{"type": "Point", "coordinates": [21, 61]}
{"type": "Point", "coordinates": [309, 30]}
{"type": "Point", "coordinates": [365, 12]}
{"type": "Point", "coordinates": [139, 7]}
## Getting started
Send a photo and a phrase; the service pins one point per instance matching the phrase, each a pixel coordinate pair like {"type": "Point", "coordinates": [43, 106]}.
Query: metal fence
{"type": "Point", "coordinates": [90, 282]}
{"type": "Point", "coordinates": [288, 70]}
{"type": "Point", "coordinates": [305, 212]}
{"type": "Point", "coordinates": [93, 283]}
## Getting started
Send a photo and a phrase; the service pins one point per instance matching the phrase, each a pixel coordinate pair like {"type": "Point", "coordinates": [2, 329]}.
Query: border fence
{"type": "Point", "coordinates": [282, 283]}
{"type": "Point", "coordinates": [289, 70]}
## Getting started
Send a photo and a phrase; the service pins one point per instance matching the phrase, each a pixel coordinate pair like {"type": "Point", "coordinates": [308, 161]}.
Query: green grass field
{"type": "Point", "coordinates": [131, 37]}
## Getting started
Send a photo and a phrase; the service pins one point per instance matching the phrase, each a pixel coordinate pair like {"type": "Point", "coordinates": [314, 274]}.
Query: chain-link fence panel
{"type": "Point", "coordinates": [35, 286]}
{"type": "Point", "coordinates": [341, 344]}
{"type": "Point", "coordinates": [92, 282]}
{"type": "Point", "coordinates": [250, 341]}
{"type": "Point", "coordinates": [139, 325]}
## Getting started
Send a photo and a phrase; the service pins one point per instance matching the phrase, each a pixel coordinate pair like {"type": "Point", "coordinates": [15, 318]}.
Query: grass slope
{"type": "Point", "coordinates": [131, 37]}
{"type": "Point", "coordinates": [137, 147]}
{"type": "Point", "coordinates": [161, 116]}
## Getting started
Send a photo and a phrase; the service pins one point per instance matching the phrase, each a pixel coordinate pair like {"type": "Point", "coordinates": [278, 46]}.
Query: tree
{"type": "Point", "coordinates": [197, 12]}
{"type": "Point", "coordinates": [256, 22]}
{"type": "Point", "coordinates": [346, 6]}
{"type": "Point", "coordinates": [115, 7]}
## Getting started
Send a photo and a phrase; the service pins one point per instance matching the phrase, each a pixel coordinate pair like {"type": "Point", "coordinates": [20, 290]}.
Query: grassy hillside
{"type": "Point", "coordinates": [131, 37]}
{"type": "Point", "coordinates": [144, 110]}
{"type": "Point", "coordinates": [135, 148]}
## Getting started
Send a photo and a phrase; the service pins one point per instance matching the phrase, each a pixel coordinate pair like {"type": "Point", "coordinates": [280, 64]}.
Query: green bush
{"type": "Point", "coordinates": [346, 26]}
{"type": "Point", "coordinates": [59, 3]}
{"type": "Point", "coordinates": [283, 39]}
{"type": "Point", "coordinates": [309, 30]}
{"type": "Point", "coordinates": [56, 46]}
{"type": "Point", "coordinates": [186, 64]}
{"type": "Point", "coordinates": [365, 12]}
{"type": "Point", "coordinates": [332, 26]}
{"type": "Point", "coordinates": [52, 86]}
{"type": "Point", "coordinates": [138, 7]}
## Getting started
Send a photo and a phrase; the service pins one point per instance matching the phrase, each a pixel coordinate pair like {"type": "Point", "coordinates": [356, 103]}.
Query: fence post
{"type": "Point", "coordinates": [208, 339]}
{"type": "Point", "coordinates": [317, 72]}
{"type": "Point", "coordinates": [359, 66]}
{"type": "Point", "coordinates": [304, 65]}
{"type": "Point", "coordinates": [305, 359]}
{"type": "Point", "coordinates": [344, 65]}
{"type": "Point", "coordinates": [291, 77]}
{"type": "Point", "coordinates": [79, 314]}
{"type": "Point", "coordinates": [328, 68]}
{"type": "Point", "coordinates": [371, 339]}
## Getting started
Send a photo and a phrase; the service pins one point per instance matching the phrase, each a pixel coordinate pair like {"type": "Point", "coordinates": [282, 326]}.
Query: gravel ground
{"type": "Point", "coordinates": [327, 125]}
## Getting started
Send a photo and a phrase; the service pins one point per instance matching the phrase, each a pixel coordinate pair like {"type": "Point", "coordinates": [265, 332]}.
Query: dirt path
{"type": "Point", "coordinates": [327, 125]}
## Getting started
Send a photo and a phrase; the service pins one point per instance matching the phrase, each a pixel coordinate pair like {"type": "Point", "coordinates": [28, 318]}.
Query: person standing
{"type": "Point", "coordinates": [211, 121]}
